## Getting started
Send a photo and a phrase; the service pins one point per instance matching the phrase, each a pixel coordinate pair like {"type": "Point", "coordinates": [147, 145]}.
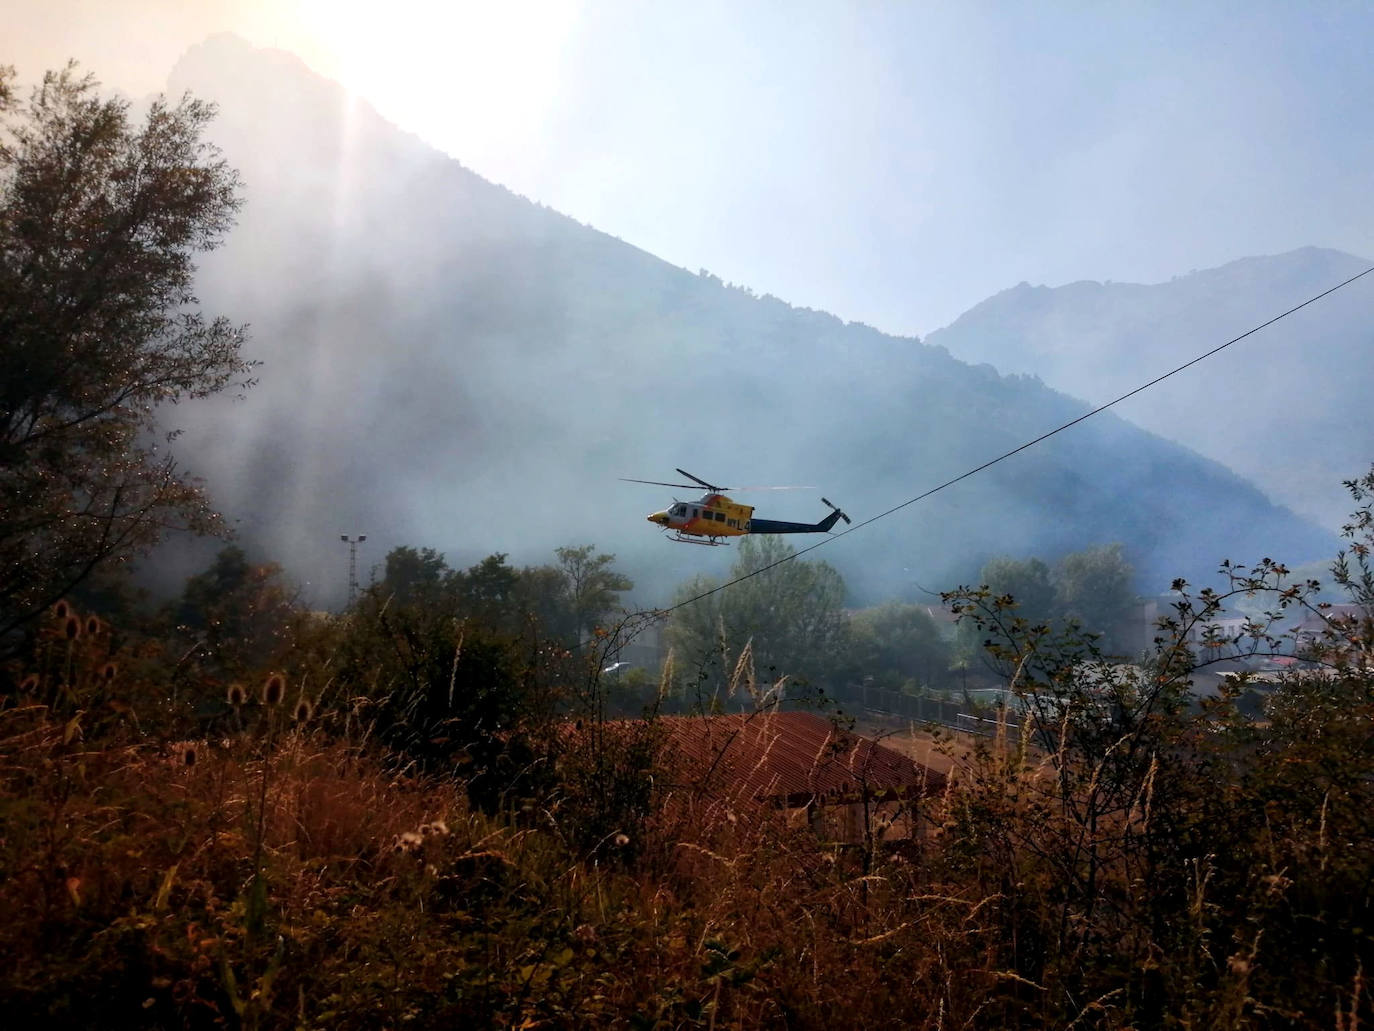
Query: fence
{"type": "Point", "coordinates": [950, 714]}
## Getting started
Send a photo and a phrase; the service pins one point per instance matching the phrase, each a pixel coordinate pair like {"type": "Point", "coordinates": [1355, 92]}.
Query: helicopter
{"type": "Point", "coordinates": [714, 515]}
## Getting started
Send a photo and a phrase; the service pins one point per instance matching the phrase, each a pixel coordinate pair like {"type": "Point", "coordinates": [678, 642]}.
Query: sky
{"type": "Point", "coordinates": [891, 163]}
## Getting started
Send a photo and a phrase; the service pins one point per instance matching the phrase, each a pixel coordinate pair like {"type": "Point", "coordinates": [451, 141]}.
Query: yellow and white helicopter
{"type": "Point", "coordinates": [713, 515]}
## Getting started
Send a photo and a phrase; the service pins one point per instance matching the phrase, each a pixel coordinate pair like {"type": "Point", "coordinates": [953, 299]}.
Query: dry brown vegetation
{"type": "Point", "coordinates": [302, 853]}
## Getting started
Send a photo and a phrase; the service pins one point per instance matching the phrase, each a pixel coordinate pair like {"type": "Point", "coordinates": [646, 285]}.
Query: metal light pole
{"type": "Point", "coordinates": [352, 543]}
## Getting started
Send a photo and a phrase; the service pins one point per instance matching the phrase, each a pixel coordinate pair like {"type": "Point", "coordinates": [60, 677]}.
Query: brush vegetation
{"type": "Point", "coordinates": [393, 825]}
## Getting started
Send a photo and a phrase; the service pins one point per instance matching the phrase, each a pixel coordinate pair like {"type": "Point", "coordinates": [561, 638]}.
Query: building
{"type": "Point", "coordinates": [840, 783]}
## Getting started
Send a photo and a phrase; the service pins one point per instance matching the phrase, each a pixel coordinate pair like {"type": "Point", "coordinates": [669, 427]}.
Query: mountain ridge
{"type": "Point", "coordinates": [450, 365]}
{"type": "Point", "coordinates": [1290, 424]}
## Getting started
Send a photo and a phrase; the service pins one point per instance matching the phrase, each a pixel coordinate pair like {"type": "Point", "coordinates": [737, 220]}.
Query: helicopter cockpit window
{"type": "Point", "coordinates": [678, 510]}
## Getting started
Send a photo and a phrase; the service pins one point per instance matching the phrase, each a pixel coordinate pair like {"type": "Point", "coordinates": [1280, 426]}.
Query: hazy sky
{"type": "Point", "coordinates": [891, 163]}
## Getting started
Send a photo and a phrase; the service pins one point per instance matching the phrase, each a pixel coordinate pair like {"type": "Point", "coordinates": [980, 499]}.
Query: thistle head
{"type": "Point", "coordinates": [408, 842]}
{"type": "Point", "coordinates": [303, 710]}
{"type": "Point", "coordinates": [237, 694]}
{"type": "Point", "coordinates": [109, 671]}
{"type": "Point", "coordinates": [62, 610]}
{"type": "Point", "coordinates": [71, 627]}
{"type": "Point", "coordinates": [93, 625]}
{"type": "Point", "coordinates": [273, 690]}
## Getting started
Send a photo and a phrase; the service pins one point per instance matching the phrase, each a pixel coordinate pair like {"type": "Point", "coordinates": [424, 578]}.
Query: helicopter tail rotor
{"type": "Point", "coordinates": [836, 508]}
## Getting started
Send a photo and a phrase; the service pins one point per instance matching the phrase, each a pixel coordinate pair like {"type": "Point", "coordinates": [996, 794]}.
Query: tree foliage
{"type": "Point", "coordinates": [897, 644]}
{"type": "Point", "coordinates": [591, 585]}
{"type": "Point", "coordinates": [237, 611]}
{"type": "Point", "coordinates": [1175, 853]}
{"type": "Point", "coordinates": [100, 219]}
{"type": "Point", "coordinates": [1029, 581]}
{"type": "Point", "coordinates": [1092, 588]}
{"type": "Point", "coordinates": [412, 575]}
{"type": "Point", "coordinates": [788, 611]}
{"type": "Point", "coordinates": [562, 601]}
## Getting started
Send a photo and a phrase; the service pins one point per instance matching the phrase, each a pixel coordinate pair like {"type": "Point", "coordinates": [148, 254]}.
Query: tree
{"type": "Point", "coordinates": [591, 584]}
{"type": "Point", "coordinates": [99, 221]}
{"type": "Point", "coordinates": [414, 576]}
{"type": "Point", "coordinates": [489, 588]}
{"type": "Point", "coordinates": [788, 611]}
{"type": "Point", "coordinates": [239, 611]}
{"type": "Point", "coordinates": [897, 643]}
{"type": "Point", "coordinates": [1026, 580]}
{"type": "Point", "coordinates": [541, 597]}
{"type": "Point", "coordinates": [1094, 588]}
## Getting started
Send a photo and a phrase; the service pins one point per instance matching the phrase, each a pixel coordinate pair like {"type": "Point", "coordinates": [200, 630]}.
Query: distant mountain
{"type": "Point", "coordinates": [1287, 408]}
{"type": "Point", "coordinates": [448, 364]}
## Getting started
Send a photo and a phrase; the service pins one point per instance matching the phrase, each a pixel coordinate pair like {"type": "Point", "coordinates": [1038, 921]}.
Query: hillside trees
{"type": "Point", "coordinates": [100, 219]}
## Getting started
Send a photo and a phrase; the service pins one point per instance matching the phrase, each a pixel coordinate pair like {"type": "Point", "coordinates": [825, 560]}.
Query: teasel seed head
{"type": "Point", "coordinates": [274, 690]}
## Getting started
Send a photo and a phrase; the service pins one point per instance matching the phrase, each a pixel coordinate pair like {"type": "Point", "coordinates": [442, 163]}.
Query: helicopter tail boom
{"type": "Point", "coordinates": [779, 526]}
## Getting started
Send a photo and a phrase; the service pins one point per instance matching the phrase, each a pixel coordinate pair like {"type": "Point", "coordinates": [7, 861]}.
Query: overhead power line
{"type": "Point", "coordinates": [1016, 450]}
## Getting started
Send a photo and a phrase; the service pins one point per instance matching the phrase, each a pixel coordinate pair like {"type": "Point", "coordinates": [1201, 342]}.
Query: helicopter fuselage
{"type": "Point", "coordinates": [712, 516]}
{"type": "Point", "coordinates": [715, 516]}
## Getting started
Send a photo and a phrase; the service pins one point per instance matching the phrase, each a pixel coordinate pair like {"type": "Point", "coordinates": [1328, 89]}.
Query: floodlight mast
{"type": "Point", "coordinates": [352, 543]}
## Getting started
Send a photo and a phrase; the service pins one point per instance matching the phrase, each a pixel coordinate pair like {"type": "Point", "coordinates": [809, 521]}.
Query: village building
{"type": "Point", "coordinates": [842, 784]}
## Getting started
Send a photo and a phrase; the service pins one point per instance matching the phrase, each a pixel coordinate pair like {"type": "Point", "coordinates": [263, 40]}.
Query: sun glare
{"type": "Point", "coordinates": [476, 79]}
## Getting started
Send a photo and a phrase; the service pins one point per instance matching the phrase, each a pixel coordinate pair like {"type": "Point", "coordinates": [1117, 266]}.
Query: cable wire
{"type": "Point", "coordinates": [663, 613]}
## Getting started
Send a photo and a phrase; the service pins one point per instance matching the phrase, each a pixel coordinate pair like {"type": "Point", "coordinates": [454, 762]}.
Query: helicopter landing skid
{"type": "Point", "coordinates": [709, 542]}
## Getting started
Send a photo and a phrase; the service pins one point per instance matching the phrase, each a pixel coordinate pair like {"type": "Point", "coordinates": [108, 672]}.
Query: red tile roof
{"type": "Point", "coordinates": [788, 759]}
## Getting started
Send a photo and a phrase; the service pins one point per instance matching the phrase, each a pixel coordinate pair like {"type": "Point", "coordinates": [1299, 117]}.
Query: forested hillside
{"type": "Point", "coordinates": [447, 364]}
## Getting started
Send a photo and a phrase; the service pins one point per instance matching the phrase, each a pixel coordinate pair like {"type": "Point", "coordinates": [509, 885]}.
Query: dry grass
{"type": "Point", "coordinates": [943, 751]}
{"type": "Point", "coordinates": [279, 876]}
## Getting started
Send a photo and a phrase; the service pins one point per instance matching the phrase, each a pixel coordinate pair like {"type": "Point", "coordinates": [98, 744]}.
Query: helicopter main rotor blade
{"type": "Point", "coordinates": [698, 479]}
{"type": "Point", "coordinates": [660, 483]}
